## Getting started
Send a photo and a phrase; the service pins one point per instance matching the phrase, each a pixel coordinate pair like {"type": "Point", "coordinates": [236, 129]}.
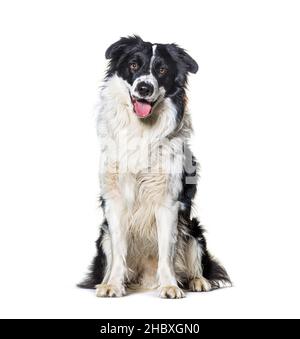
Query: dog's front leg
{"type": "Point", "coordinates": [166, 222]}
{"type": "Point", "coordinates": [113, 284]}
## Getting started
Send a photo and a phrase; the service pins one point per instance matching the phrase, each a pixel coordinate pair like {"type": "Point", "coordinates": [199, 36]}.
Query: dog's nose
{"type": "Point", "coordinates": [145, 89]}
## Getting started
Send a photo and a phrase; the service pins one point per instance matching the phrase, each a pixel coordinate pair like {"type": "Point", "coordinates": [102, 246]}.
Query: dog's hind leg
{"type": "Point", "coordinates": [198, 270]}
{"type": "Point", "coordinates": [195, 279]}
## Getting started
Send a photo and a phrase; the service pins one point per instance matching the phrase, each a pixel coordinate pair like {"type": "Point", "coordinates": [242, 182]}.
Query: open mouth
{"type": "Point", "coordinates": [142, 108]}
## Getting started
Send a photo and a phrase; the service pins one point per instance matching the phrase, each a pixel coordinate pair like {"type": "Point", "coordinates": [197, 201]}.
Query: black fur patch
{"type": "Point", "coordinates": [189, 182]}
{"type": "Point", "coordinates": [98, 266]}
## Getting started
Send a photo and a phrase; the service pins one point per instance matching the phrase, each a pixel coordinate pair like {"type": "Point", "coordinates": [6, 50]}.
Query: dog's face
{"type": "Point", "coordinates": [152, 72]}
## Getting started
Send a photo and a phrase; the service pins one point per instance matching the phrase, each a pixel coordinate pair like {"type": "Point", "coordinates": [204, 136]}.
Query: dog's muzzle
{"type": "Point", "coordinates": [144, 95]}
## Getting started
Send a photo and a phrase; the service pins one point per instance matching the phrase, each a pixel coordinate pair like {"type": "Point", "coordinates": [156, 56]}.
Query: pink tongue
{"type": "Point", "coordinates": [142, 109]}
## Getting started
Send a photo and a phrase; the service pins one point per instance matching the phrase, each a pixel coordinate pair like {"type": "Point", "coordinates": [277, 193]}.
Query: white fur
{"type": "Point", "coordinates": [114, 213]}
{"type": "Point", "coordinates": [150, 79]}
{"type": "Point", "coordinates": [166, 223]}
{"type": "Point", "coordinates": [152, 58]}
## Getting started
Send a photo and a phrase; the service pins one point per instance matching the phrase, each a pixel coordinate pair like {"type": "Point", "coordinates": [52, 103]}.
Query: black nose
{"type": "Point", "coordinates": [145, 89]}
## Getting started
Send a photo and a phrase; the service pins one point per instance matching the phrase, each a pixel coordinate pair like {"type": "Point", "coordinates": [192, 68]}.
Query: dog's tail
{"type": "Point", "coordinates": [98, 267]}
{"type": "Point", "coordinates": [95, 274]}
{"type": "Point", "coordinates": [214, 272]}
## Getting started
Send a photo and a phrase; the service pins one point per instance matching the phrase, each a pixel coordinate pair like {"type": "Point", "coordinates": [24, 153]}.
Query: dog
{"type": "Point", "coordinates": [148, 177]}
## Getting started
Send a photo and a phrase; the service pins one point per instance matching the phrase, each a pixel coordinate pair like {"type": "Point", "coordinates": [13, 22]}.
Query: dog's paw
{"type": "Point", "coordinates": [199, 285]}
{"type": "Point", "coordinates": [104, 290]}
{"type": "Point", "coordinates": [171, 292]}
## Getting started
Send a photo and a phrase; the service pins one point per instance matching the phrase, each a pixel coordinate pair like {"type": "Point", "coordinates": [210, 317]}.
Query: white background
{"type": "Point", "coordinates": [245, 106]}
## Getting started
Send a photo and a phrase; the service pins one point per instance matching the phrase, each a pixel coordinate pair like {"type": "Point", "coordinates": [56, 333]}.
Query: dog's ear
{"type": "Point", "coordinates": [183, 58]}
{"type": "Point", "coordinates": [118, 48]}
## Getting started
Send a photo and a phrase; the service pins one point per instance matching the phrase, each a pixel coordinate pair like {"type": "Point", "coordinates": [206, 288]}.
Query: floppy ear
{"type": "Point", "coordinates": [119, 47]}
{"type": "Point", "coordinates": [181, 56]}
{"type": "Point", "coordinates": [192, 64]}
{"type": "Point", "coordinates": [115, 49]}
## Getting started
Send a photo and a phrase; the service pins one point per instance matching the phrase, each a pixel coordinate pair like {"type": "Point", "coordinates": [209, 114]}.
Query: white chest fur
{"type": "Point", "coordinates": [140, 166]}
{"type": "Point", "coordinates": [136, 155]}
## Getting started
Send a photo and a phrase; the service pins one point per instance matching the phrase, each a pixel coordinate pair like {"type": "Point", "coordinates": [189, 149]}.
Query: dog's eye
{"type": "Point", "coordinates": [163, 71]}
{"type": "Point", "coordinates": [134, 66]}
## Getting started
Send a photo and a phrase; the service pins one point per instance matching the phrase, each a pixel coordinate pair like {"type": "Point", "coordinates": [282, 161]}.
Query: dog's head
{"type": "Point", "coordinates": [152, 71]}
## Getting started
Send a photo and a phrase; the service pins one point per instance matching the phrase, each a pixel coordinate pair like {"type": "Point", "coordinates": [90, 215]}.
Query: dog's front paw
{"type": "Point", "coordinates": [105, 290]}
{"type": "Point", "coordinates": [199, 285]}
{"type": "Point", "coordinates": [171, 292]}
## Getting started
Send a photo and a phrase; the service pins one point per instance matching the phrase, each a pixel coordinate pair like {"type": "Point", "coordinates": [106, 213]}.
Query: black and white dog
{"type": "Point", "coordinates": [148, 177]}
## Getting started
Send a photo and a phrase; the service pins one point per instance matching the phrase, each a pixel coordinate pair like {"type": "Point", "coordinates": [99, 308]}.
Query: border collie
{"type": "Point", "coordinates": [148, 177]}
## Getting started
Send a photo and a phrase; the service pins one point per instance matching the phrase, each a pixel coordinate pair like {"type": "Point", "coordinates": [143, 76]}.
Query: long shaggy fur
{"type": "Point", "coordinates": [148, 177]}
